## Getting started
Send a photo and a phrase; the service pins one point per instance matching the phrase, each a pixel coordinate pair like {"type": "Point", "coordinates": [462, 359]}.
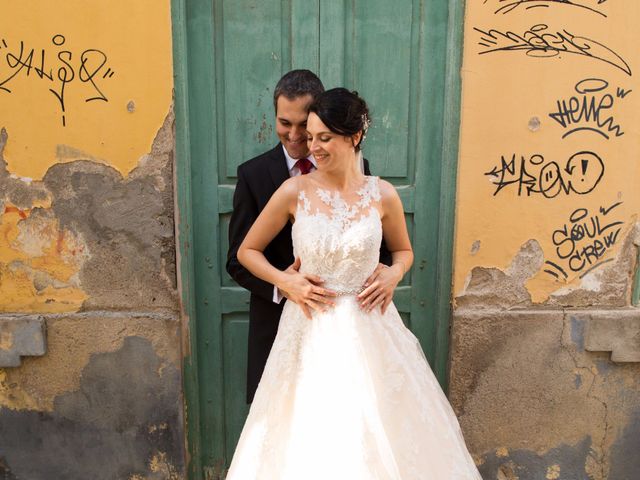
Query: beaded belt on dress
{"type": "Point", "coordinates": [352, 291]}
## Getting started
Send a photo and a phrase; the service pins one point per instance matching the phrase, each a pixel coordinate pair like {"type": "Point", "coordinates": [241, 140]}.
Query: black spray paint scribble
{"type": "Point", "coordinates": [590, 110]}
{"type": "Point", "coordinates": [508, 6]}
{"type": "Point", "coordinates": [534, 175]}
{"type": "Point", "coordinates": [67, 67]}
{"type": "Point", "coordinates": [583, 241]}
{"type": "Point", "coordinates": [541, 42]}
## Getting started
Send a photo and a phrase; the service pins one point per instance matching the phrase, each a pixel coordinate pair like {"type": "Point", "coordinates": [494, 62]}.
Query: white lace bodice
{"type": "Point", "coordinates": [349, 385]}
{"type": "Point", "coordinates": [335, 239]}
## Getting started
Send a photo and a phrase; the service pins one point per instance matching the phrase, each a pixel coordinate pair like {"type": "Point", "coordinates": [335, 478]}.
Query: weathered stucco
{"type": "Point", "coordinates": [611, 285]}
{"type": "Point", "coordinates": [126, 224]}
{"type": "Point", "coordinates": [538, 393]}
{"type": "Point", "coordinates": [87, 249]}
{"type": "Point", "coordinates": [102, 240]}
{"type": "Point", "coordinates": [530, 396]}
{"type": "Point", "coordinates": [21, 337]}
{"type": "Point", "coordinates": [71, 340]}
{"type": "Point", "coordinates": [38, 259]}
{"type": "Point", "coordinates": [121, 421]}
{"type": "Point", "coordinates": [544, 341]}
{"type": "Point", "coordinates": [110, 378]}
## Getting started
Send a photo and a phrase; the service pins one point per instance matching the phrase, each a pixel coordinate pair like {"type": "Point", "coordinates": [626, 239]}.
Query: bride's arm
{"type": "Point", "coordinates": [380, 286]}
{"type": "Point", "coordinates": [303, 289]}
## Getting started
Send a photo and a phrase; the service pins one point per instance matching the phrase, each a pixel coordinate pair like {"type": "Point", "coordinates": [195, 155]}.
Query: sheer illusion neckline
{"type": "Point", "coordinates": [332, 205]}
{"type": "Point", "coordinates": [314, 184]}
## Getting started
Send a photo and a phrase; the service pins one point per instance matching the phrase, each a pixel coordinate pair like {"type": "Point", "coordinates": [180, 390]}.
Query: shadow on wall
{"type": "Point", "coordinates": [122, 423]}
{"type": "Point", "coordinates": [625, 458]}
{"type": "Point", "coordinates": [524, 464]}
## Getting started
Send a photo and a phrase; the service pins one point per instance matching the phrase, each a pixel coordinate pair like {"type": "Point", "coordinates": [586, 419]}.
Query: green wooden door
{"type": "Point", "coordinates": [402, 57]}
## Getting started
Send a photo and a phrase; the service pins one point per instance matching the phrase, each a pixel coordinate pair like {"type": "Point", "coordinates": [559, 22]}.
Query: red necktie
{"type": "Point", "coordinates": [304, 165]}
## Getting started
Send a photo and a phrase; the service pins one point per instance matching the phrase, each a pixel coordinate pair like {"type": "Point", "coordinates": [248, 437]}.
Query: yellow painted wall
{"type": "Point", "coordinates": [79, 79]}
{"type": "Point", "coordinates": [132, 42]}
{"type": "Point", "coordinates": [521, 59]}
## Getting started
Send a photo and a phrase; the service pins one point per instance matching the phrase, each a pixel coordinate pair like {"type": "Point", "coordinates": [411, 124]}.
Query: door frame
{"type": "Point", "coordinates": [194, 105]}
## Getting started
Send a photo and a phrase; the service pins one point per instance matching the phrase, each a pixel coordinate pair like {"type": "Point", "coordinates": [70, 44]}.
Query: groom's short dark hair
{"type": "Point", "coordinates": [297, 83]}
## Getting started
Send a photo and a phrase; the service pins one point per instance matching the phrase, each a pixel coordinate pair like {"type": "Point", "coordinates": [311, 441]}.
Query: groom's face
{"type": "Point", "coordinates": [291, 124]}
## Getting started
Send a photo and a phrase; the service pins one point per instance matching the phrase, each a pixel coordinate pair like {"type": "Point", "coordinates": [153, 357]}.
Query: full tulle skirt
{"type": "Point", "coordinates": [349, 395]}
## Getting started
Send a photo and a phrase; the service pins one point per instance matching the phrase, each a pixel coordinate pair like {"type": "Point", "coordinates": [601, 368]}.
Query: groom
{"type": "Point", "coordinates": [258, 179]}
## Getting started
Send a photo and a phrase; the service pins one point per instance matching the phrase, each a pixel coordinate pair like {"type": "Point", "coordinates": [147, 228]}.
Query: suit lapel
{"type": "Point", "coordinates": [278, 166]}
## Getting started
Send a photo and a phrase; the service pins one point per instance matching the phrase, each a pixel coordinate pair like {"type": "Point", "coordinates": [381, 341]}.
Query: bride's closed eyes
{"type": "Point", "coordinates": [322, 137]}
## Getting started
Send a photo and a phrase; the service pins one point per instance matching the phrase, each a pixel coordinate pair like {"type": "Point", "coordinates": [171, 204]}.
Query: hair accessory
{"type": "Point", "coordinates": [365, 122]}
{"type": "Point", "coordinates": [365, 126]}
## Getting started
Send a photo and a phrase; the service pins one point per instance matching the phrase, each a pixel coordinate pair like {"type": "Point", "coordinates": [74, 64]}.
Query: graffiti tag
{"type": "Point", "coordinates": [583, 241]}
{"type": "Point", "coordinates": [88, 68]}
{"type": "Point", "coordinates": [590, 110]}
{"type": "Point", "coordinates": [541, 42]}
{"type": "Point", "coordinates": [507, 6]}
{"type": "Point", "coordinates": [580, 174]}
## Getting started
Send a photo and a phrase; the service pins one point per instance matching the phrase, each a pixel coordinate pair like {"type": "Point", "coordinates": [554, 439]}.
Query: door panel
{"type": "Point", "coordinates": [377, 63]}
{"type": "Point", "coordinates": [252, 49]}
{"type": "Point", "coordinates": [357, 46]}
{"type": "Point", "coordinates": [393, 54]}
{"type": "Point", "coordinates": [235, 329]}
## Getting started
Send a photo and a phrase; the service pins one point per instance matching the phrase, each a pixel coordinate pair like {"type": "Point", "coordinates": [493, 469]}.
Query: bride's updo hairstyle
{"type": "Point", "coordinates": [343, 112]}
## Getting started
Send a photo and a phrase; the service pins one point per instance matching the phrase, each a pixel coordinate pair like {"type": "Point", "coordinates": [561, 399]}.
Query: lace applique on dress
{"type": "Point", "coordinates": [306, 204]}
{"type": "Point", "coordinates": [339, 211]}
{"type": "Point", "coordinates": [370, 191]}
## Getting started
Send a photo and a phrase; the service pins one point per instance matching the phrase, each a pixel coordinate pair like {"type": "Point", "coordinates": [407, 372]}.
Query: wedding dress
{"type": "Point", "coordinates": [347, 395]}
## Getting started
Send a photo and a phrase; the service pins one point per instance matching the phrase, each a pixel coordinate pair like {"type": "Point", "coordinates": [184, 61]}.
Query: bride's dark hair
{"type": "Point", "coordinates": [343, 112]}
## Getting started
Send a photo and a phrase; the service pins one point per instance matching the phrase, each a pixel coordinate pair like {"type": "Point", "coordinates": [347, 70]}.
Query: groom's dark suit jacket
{"type": "Point", "coordinates": [258, 179]}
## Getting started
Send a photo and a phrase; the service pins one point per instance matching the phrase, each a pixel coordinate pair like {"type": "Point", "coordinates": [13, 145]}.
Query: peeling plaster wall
{"type": "Point", "coordinates": [545, 347]}
{"type": "Point", "coordinates": [87, 245]}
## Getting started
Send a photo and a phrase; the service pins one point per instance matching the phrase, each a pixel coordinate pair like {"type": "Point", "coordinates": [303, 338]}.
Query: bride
{"type": "Point", "coordinates": [347, 393]}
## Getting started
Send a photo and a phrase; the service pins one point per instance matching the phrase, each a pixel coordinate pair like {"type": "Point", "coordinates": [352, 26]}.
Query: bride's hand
{"type": "Point", "coordinates": [380, 286]}
{"type": "Point", "coordinates": [306, 290]}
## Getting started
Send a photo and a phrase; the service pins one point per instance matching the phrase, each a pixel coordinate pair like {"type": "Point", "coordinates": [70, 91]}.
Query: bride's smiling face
{"type": "Point", "coordinates": [328, 148]}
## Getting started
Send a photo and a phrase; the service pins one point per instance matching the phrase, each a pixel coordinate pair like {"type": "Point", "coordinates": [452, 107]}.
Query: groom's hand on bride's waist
{"type": "Point", "coordinates": [379, 287]}
{"type": "Point", "coordinates": [305, 289]}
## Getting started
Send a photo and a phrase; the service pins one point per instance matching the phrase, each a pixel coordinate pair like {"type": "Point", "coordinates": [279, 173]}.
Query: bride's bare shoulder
{"type": "Point", "coordinates": [389, 199]}
{"type": "Point", "coordinates": [387, 190]}
{"type": "Point", "coordinates": [290, 187]}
